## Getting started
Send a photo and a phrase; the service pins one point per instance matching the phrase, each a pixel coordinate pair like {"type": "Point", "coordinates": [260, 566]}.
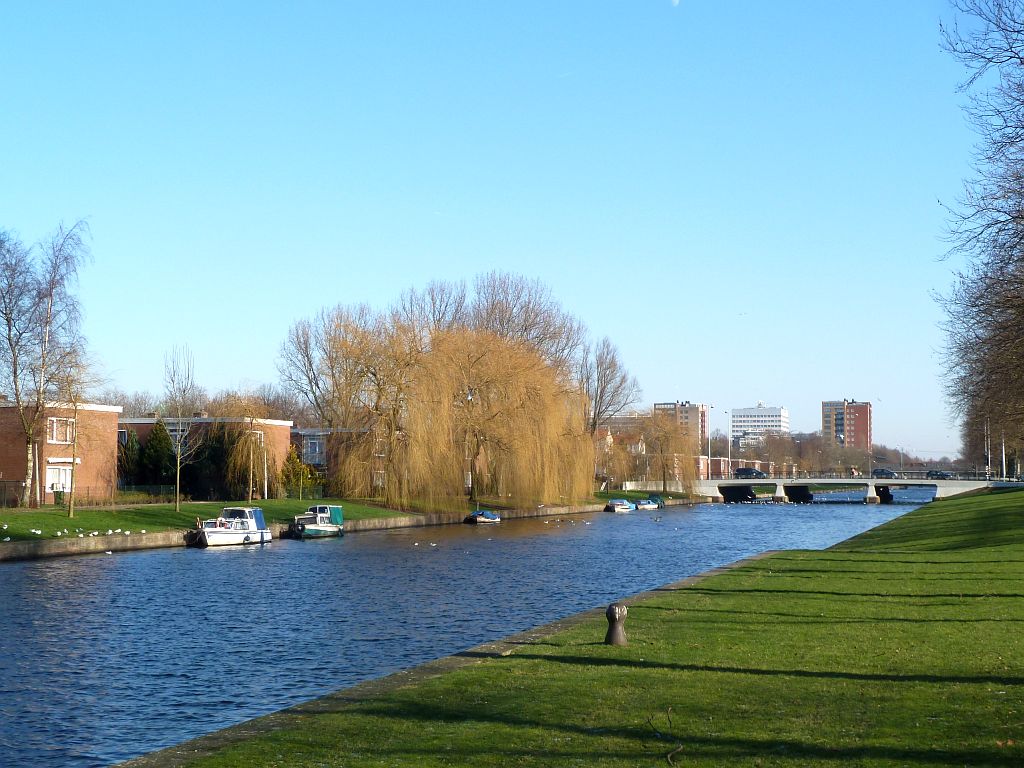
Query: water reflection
{"type": "Point", "coordinates": [106, 657]}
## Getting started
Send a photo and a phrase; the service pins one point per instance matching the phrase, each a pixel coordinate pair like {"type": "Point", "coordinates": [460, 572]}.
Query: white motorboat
{"type": "Point", "coordinates": [619, 506]}
{"type": "Point", "coordinates": [483, 517]}
{"type": "Point", "coordinates": [235, 525]}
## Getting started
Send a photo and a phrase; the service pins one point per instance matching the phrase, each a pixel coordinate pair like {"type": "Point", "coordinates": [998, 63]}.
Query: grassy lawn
{"type": "Point", "coordinates": [156, 517]}
{"type": "Point", "coordinates": [901, 647]}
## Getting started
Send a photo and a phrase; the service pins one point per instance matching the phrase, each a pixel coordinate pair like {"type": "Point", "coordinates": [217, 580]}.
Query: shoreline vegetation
{"type": "Point", "coordinates": [899, 646]}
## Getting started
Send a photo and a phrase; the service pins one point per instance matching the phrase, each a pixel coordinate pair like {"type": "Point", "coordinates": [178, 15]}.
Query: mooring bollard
{"type": "Point", "coordinates": [616, 615]}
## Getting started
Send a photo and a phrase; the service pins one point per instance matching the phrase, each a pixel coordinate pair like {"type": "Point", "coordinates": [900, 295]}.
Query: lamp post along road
{"type": "Point", "coordinates": [707, 422]}
{"type": "Point", "coordinates": [728, 449]}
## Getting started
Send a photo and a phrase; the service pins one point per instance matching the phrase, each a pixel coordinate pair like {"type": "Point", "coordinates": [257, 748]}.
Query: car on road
{"type": "Point", "coordinates": [884, 473]}
{"type": "Point", "coordinates": [749, 473]}
{"type": "Point", "coordinates": [936, 474]}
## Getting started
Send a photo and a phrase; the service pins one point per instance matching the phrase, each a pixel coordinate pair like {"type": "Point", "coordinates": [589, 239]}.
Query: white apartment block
{"type": "Point", "coordinates": [748, 426]}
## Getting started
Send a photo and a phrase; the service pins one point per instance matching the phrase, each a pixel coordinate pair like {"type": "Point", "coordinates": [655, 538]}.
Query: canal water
{"type": "Point", "coordinates": [106, 657]}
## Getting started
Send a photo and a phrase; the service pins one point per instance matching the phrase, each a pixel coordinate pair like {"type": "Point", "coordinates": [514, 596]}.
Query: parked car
{"type": "Point", "coordinates": [937, 474]}
{"type": "Point", "coordinates": [749, 473]}
{"type": "Point", "coordinates": [884, 473]}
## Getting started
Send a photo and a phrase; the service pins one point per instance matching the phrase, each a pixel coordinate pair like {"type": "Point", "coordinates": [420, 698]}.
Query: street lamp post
{"type": "Point", "coordinates": [728, 437]}
{"type": "Point", "coordinates": [708, 422]}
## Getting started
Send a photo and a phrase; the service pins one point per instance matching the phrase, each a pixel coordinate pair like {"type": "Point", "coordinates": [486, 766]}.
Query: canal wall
{"type": "Point", "coordinates": [120, 542]}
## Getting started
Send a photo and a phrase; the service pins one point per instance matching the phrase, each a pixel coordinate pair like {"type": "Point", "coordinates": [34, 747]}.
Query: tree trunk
{"type": "Point", "coordinates": [177, 475]}
{"type": "Point", "coordinates": [26, 494]}
{"type": "Point", "coordinates": [74, 455]}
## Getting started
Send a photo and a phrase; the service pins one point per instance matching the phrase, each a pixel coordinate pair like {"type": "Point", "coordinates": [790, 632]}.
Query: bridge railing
{"type": "Point", "coordinates": [859, 476]}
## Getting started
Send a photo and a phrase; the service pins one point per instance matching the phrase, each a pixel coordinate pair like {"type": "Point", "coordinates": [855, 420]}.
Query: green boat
{"type": "Point", "coordinates": [319, 522]}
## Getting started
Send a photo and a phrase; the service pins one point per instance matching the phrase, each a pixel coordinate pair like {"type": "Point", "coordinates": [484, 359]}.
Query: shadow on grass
{"type": "Point", "coordinates": [783, 591]}
{"type": "Point", "coordinates": [590, 661]}
{"type": "Point", "coordinates": [758, 618]}
{"type": "Point", "coordinates": [642, 743]}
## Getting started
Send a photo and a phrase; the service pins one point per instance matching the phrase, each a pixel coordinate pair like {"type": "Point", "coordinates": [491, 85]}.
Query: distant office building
{"type": "Point", "coordinates": [693, 416]}
{"type": "Point", "coordinates": [847, 422]}
{"type": "Point", "coordinates": [626, 423]}
{"type": "Point", "coordinates": [748, 426]}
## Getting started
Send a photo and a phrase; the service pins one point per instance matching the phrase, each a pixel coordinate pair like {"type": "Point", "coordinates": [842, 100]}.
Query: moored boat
{"type": "Point", "coordinates": [646, 504]}
{"type": "Point", "coordinates": [235, 525]}
{"type": "Point", "coordinates": [620, 506]}
{"type": "Point", "coordinates": [482, 517]}
{"type": "Point", "coordinates": [319, 522]}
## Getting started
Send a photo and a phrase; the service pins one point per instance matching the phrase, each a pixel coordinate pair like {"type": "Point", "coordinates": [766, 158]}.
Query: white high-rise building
{"type": "Point", "coordinates": [748, 426]}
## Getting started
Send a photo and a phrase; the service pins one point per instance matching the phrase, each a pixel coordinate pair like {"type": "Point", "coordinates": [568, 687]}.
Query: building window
{"type": "Point", "coordinates": [58, 479]}
{"type": "Point", "coordinates": [60, 431]}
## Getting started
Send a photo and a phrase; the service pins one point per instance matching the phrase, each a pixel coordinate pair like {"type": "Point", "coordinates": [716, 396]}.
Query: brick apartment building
{"type": "Point", "coordinates": [847, 422]}
{"type": "Point", "coordinates": [84, 437]}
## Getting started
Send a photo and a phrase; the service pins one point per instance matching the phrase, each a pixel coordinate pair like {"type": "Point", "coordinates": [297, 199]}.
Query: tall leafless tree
{"type": "Point", "coordinates": [518, 309]}
{"type": "Point", "coordinates": [985, 309]}
{"type": "Point", "coordinates": [608, 387]}
{"type": "Point", "coordinates": [180, 399]}
{"type": "Point", "coordinates": [39, 320]}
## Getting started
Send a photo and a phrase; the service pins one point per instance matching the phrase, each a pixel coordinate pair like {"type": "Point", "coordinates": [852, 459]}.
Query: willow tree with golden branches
{"type": "Point", "coordinates": [491, 416]}
{"type": "Point", "coordinates": [442, 397]}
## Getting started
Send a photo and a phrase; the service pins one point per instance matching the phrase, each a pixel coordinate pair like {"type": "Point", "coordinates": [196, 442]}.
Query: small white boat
{"type": "Point", "coordinates": [483, 517]}
{"type": "Point", "coordinates": [235, 525]}
{"type": "Point", "coordinates": [320, 521]}
{"type": "Point", "coordinates": [619, 506]}
{"type": "Point", "coordinates": [646, 504]}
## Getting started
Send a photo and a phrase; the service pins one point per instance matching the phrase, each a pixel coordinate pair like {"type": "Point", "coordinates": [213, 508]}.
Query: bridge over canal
{"type": "Point", "coordinates": [877, 490]}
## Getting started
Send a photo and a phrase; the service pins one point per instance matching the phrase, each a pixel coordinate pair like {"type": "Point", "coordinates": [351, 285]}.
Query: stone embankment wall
{"type": "Point", "coordinates": [31, 550]}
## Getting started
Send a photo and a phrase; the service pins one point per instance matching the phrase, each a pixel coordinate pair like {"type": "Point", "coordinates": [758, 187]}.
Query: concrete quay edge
{"type": "Point", "coordinates": [202, 746]}
{"type": "Point", "coordinates": [95, 545]}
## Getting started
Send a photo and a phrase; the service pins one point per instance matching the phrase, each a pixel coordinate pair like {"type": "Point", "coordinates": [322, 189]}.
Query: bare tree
{"type": "Point", "coordinates": [985, 309]}
{"type": "Point", "coordinates": [40, 319]}
{"type": "Point", "coordinates": [137, 403]}
{"type": "Point", "coordinates": [515, 308]}
{"type": "Point", "coordinates": [441, 306]}
{"type": "Point", "coordinates": [180, 397]}
{"type": "Point", "coordinates": [78, 377]}
{"type": "Point", "coordinates": [322, 361]}
{"type": "Point", "coordinates": [608, 387]}
{"type": "Point", "coordinates": [671, 446]}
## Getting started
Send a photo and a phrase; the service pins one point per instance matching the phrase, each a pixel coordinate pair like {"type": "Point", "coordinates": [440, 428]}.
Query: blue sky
{"type": "Point", "coordinates": [743, 196]}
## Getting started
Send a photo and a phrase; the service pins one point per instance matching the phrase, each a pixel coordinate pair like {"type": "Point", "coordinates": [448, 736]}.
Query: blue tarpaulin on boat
{"type": "Point", "coordinates": [257, 514]}
{"type": "Point", "coordinates": [337, 516]}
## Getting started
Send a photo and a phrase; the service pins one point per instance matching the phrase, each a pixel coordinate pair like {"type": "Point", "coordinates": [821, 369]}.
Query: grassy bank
{"type": "Point", "coordinates": [155, 517]}
{"type": "Point", "coordinates": [900, 647]}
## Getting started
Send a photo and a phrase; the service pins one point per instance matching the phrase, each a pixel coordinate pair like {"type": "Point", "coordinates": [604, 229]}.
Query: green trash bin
{"type": "Point", "coordinates": [58, 497]}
